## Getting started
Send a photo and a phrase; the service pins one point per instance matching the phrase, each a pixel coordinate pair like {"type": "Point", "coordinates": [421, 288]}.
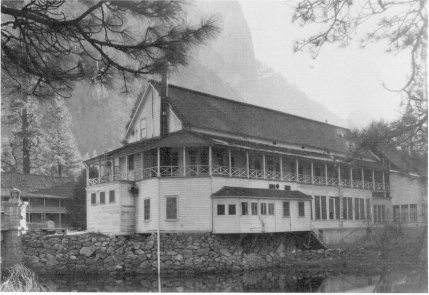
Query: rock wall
{"type": "Point", "coordinates": [180, 252]}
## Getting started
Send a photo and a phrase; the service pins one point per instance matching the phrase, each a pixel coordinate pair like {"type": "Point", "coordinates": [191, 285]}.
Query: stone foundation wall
{"type": "Point", "coordinates": [180, 252]}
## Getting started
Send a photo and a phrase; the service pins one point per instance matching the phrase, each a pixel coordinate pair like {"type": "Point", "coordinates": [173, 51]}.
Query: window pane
{"type": "Point", "coordinates": [350, 208]}
{"type": "Point", "coordinates": [396, 213]}
{"type": "Point", "coordinates": [271, 209]}
{"type": "Point", "coordinates": [337, 207]}
{"type": "Point", "coordinates": [301, 211]}
{"type": "Point", "coordinates": [263, 208]}
{"type": "Point", "coordinates": [331, 208]}
{"type": "Point", "coordinates": [220, 209]}
{"type": "Point", "coordinates": [323, 200]}
{"type": "Point", "coordinates": [368, 209]}
{"type": "Point", "coordinates": [404, 213]}
{"type": "Point", "coordinates": [356, 208]}
{"type": "Point", "coordinates": [171, 208]}
{"type": "Point", "coordinates": [146, 209]}
{"type": "Point", "coordinates": [244, 208]}
{"type": "Point", "coordinates": [102, 197]}
{"type": "Point", "coordinates": [231, 209]}
{"type": "Point", "coordinates": [362, 208]}
{"type": "Point", "coordinates": [345, 215]}
{"type": "Point", "coordinates": [111, 196]}
{"type": "Point", "coordinates": [317, 207]}
{"type": "Point", "coordinates": [413, 212]}
{"type": "Point", "coordinates": [93, 199]}
{"type": "Point", "coordinates": [254, 207]}
{"type": "Point", "coordinates": [286, 209]}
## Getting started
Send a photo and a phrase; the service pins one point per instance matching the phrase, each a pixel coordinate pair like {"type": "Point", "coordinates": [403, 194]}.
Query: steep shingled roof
{"type": "Point", "coordinates": [35, 184]}
{"type": "Point", "coordinates": [232, 191]}
{"type": "Point", "coordinates": [205, 111]}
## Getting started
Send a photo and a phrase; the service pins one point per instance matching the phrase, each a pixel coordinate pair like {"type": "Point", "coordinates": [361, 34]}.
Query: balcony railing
{"type": "Point", "coordinates": [237, 172]}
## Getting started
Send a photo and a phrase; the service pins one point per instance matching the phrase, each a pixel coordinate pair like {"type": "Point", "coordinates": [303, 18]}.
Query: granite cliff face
{"type": "Point", "coordinates": [226, 67]}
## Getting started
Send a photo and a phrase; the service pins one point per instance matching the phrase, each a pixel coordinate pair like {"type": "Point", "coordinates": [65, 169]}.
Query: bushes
{"type": "Point", "coordinates": [20, 279]}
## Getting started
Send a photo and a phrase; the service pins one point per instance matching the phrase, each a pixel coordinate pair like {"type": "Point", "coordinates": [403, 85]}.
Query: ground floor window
{"type": "Point", "coordinates": [286, 209]}
{"type": "Point", "coordinates": [231, 209]}
{"type": "Point", "coordinates": [112, 197]}
{"type": "Point", "coordinates": [404, 213]}
{"type": "Point", "coordinates": [396, 213]}
{"type": "Point", "coordinates": [317, 207]}
{"type": "Point", "coordinates": [244, 208]}
{"type": "Point", "coordinates": [301, 211]}
{"type": "Point", "coordinates": [93, 198]}
{"type": "Point", "coordinates": [146, 209]}
{"type": "Point", "coordinates": [254, 208]}
{"type": "Point", "coordinates": [220, 209]}
{"type": "Point", "coordinates": [171, 207]}
{"type": "Point", "coordinates": [270, 208]}
{"type": "Point", "coordinates": [413, 213]}
{"type": "Point", "coordinates": [263, 208]}
{"type": "Point", "coordinates": [102, 197]}
{"type": "Point", "coordinates": [331, 209]}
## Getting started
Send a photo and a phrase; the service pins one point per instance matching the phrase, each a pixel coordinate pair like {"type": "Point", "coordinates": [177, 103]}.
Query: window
{"type": "Point", "coordinates": [350, 208]}
{"type": "Point", "coordinates": [404, 213]}
{"type": "Point", "coordinates": [383, 213]}
{"type": "Point", "coordinates": [131, 162]}
{"type": "Point", "coordinates": [301, 211]}
{"type": "Point", "coordinates": [317, 207]}
{"type": "Point", "coordinates": [357, 209]}
{"type": "Point", "coordinates": [220, 209]}
{"type": "Point", "coordinates": [375, 210]}
{"type": "Point", "coordinates": [146, 204]}
{"type": "Point", "coordinates": [171, 208]}
{"type": "Point", "coordinates": [231, 209]}
{"type": "Point", "coordinates": [345, 215]}
{"type": "Point", "coordinates": [143, 128]}
{"type": "Point", "coordinates": [396, 213]}
{"type": "Point", "coordinates": [331, 208]}
{"type": "Point", "coordinates": [270, 208]}
{"type": "Point", "coordinates": [323, 200]}
{"type": "Point", "coordinates": [368, 209]}
{"type": "Point", "coordinates": [271, 186]}
{"type": "Point", "coordinates": [254, 207]}
{"type": "Point", "coordinates": [112, 197]}
{"type": "Point", "coordinates": [93, 199]}
{"type": "Point", "coordinates": [413, 213]}
{"type": "Point", "coordinates": [337, 207]}
{"type": "Point", "coordinates": [102, 197]}
{"type": "Point", "coordinates": [286, 209]}
{"type": "Point", "coordinates": [287, 188]}
{"type": "Point", "coordinates": [263, 209]}
{"type": "Point", "coordinates": [244, 208]}
{"type": "Point", "coordinates": [362, 208]}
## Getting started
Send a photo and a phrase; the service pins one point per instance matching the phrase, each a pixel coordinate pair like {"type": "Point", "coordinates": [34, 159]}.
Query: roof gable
{"type": "Point", "coordinates": [137, 109]}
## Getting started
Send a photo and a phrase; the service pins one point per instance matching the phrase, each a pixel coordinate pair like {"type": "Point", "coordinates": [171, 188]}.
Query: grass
{"type": "Point", "coordinates": [20, 279]}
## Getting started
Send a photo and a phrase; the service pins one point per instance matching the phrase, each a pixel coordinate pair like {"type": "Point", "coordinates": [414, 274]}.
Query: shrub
{"type": "Point", "coordinates": [20, 279]}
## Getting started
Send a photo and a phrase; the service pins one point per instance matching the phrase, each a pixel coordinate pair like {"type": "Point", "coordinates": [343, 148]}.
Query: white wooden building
{"type": "Point", "coordinates": [190, 158]}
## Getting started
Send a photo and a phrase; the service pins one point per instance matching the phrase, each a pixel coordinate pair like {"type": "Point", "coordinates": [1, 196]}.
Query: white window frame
{"type": "Point", "coordinates": [177, 208]}
{"type": "Point", "coordinates": [143, 120]}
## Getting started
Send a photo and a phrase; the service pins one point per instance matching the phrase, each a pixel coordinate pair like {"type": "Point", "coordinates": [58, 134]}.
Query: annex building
{"type": "Point", "coordinates": [192, 161]}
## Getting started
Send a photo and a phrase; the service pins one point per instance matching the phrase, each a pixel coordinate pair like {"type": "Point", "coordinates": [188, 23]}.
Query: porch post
{"type": "Point", "coordinates": [363, 179]}
{"type": "Point", "coordinates": [59, 219]}
{"type": "Point", "coordinates": [210, 160]}
{"type": "Point", "coordinates": [263, 165]}
{"type": "Point", "coordinates": [99, 171]}
{"type": "Point", "coordinates": [184, 160]}
{"type": "Point", "coordinates": [247, 164]}
{"type": "Point", "coordinates": [126, 167]}
{"type": "Point", "coordinates": [229, 162]}
{"type": "Point", "coordinates": [158, 159]}
{"type": "Point", "coordinates": [281, 167]}
{"type": "Point", "coordinates": [112, 169]}
{"type": "Point", "coordinates": [339, 174]}
{"type": "Point", "coordinates": [87, 174]}
{"type": "Point", "coordinates": [297, 170]}
{"type": "Point", "coordinates": [351, 177]}
{"type": "Point", "coordinates": [142, 164]}
{"type": "Point", "coordinates": [384, 185]}
{"type": "Point", "coordinates": [312, 172]}
{"type": "Point", "coordinates": [326, 174]}
{"type": "Point", "coordinates": [373, 179]}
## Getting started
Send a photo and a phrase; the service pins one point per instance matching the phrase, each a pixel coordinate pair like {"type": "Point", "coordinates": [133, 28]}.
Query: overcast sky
{"type": "Point", "coordinates": [348, 81]}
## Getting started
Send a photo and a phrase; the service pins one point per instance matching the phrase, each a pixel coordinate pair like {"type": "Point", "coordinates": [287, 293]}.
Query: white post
{"type": "Point", "coordinates": [297, 169]}
{"type": "Point", "coordinates": [384, 184]}
{"type": "Point", "coordinates": [158, 246]}
{"type": "Point", "coordinates": [184, 160]}
{"type": "Point", "coordinates": [339, 174]}
{"type": "Point", "coordinates": [312, 171]}
{"type": "Point", "coordinates": [210, 161]}
{"type": "Point", "coordinates": [363, 179]}
{"type": "Point", "coordinates": [351, 177]}
{"type": "Point", "coordinates": [263, 165]}
{"type": "Point", "coordinates": [59, 219]}
{"type": "Point", "coordinates": [158, 156]}
{"type": "Point", "coordinates": [281, 167]}
{"type": "Point", "coordinates": [99, 171]}
{"type": "Point", "coordinates": [247, 164]}
{"type": "Point", "coordinates": [230, 162]}
{"type": "Point", "coordinates": [326, 174]}
{"type": "Point", "coordinates": [373, 179]}
{"type": "Point", "coordinates": [87, 174]}
{"type": "Point", "coordinates": [142, 164]}
{"type": "Point", "coordinates": [126, 167]}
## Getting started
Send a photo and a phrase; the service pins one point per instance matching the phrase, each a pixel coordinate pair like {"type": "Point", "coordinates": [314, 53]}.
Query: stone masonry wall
{"type": "Point", "coordinates": [180, 252]}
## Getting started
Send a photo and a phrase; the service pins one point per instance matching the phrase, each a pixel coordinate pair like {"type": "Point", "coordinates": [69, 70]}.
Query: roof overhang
{"type": "Point", "coordinates": [259, 193]}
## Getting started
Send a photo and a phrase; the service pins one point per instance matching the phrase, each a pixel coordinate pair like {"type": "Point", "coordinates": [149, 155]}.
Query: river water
{"type": "Point", "coordinates": [414, 279]}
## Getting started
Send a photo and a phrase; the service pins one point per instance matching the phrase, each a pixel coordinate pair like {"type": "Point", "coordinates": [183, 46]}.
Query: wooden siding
{"type": "Point", "coordinates": [148, 189]}
{"type": "Point", "coordinates": [174, 123]}
{"type": "Point", "coordinates": [150, 110]}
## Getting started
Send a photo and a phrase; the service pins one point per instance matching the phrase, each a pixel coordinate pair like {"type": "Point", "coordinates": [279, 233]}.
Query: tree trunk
{"type": "Point", "coordinates": [26, 164]}
{"type": "Point", "coordinates": [60, 169]}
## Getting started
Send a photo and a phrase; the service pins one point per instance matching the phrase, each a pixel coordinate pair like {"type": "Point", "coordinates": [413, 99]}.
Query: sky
{"type": "Point", "coordinates": [348, 81]}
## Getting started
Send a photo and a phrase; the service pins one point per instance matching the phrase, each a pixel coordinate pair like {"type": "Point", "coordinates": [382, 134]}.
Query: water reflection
{"type": "Point", "coordinates": [271, 280]}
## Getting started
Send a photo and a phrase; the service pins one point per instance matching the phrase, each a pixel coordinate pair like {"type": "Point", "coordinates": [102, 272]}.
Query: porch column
{"type": "Point", "coordinates": [87, 174]}
{"type": "Point", "coordinates": [99, 171]}
{"type": "Point", "coordinates": [363, 179]}
{"type": "Point", "coordinates": [229, 162]}
{"type": "Point", "coordinates": [326, 174]}
{"type": "Point", "coordinates": [297, 169]}
{"type": "Point", "coordinates": [263, 165]}
{"type": "Point", "coordinates": [158, 158]}
{"type": "Point", "coordinates": [112, 169]}
{"type": "Point", "coordinates": [339, 174]}
{"type": "Point", "coordinates": [281, 168]}
{"type": "Point", "coordinates": [59, 220]}
{"type": "Point", "coordinates": [312, 172]}
{"type": "Point", "coordinates": [142, 155]}
{"type": "Point", "coordinates": [126, 167]}
{"type": "Point", "coordinates": [247, 164]}
{"type": "Point", "coordinates": [210, 161]}
{"type": "Point", "coordinates": [384, 184]}
{"type": "Point", "coordinates": [351, 177]}
{"type": "Point", "coordinates": [373, 179]}
{"type": "Point", "coordinates": [184, 160]}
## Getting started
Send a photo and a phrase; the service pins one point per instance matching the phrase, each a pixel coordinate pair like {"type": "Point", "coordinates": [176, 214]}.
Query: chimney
{"type": "Point", "coordinates": [164, 104]}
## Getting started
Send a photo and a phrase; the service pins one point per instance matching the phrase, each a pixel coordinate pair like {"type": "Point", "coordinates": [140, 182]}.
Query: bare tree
{"type": "Point", "coordinates": [56, 42]}
{"type": "Point", "coordinates": [401, 25]}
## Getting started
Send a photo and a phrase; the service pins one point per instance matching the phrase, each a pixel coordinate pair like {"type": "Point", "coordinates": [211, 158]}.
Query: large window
{"type": "Point", "coordinates": [244, 208]}
{"type": "Point", "coordinates": [131, 162]}
{"type": "Point", "coordinates": [357, 216]}
{"type": "Point", "coordinates": [111, 196]}
{"type": "Point", "coordinates": [362, 208]}
{"type": "Point", "coordinates": [337, 207]}
{"type": "Point", "coordinates": [263, 208]}
{"type": "Point", "coordinates": [345, 215]}
{"type": "Point", "coordinates": [301, 211]}
{"type": "Point", "coordinates": [286, 209]}
{"type": "Point", "coordinates": [220, 209]}
{"type": "Point", "coordinates": [231, 209]}
{"type": "Point", "coordinates": [368, 209]}
{"type": "Point", "coordinates": [146, 204]}
{"type": "Point", "coordinates": [404, 213]}
{"type": "Point", "coordinates": [102, 198]}
{"type": "Point", "coordinates": [254, 207]}
{"type": "Point", "coordinates": [396, 213]}
{"type": "Point", "coordinates": [270, 208]}
{"type": "Point", "coordinates": [317, 207]}
{"type": "Point", "coordinates": [350, 208]}
{"type": "Point", "coordinates": [171, 208]}
{"type": "Point", "coordinates": [331, 208]}
{"type": "Point", "coordinates": [413, 213]}
{"type": "Point", "coordinates": [143, 128]}
{"type": "Point", "coordinates": [323, 201]}
{"type": "Point", "coordinates": [93, 198]}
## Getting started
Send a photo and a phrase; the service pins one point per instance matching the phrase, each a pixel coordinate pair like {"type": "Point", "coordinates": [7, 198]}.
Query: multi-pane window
{"type": "Point", "coordinates": [254, 208]}
{"type": "Point", "coordinates": [350, 208]}
{"type": "Point", "coordinates": [286, 209]}
{"type": "Point", "coordinates": [413, 213]}
{"type": "Point", "coordinates": [102, 197]}
{"type": "Point", "coordinates": [171, 207]}
{"type": "Point", "coordinates": [143, 128]}
{"type": "Point", "coordinates": [263, 208]}
{"type": "Point", "coordinates": [375, 212]}
{"type": "Point", "coordinates": [404, 213]}
{"type": "Point", "coordinates": [368, 209]}
{"type": "Point", "coordinates": [301, 211]}
{"type": "Point", "coordinates": [362, 208]}
{"type": "Point", "coordinates": [111, 196]}
{"type": "Point", "coordinates": [146, 204]}
{"type": "Point", "coordinates": [93, 198]}
{"type": "Point", "coordinates": [231, 209]}
{"type": "Point", "coordinates": [244, 208]}
{"type": "Point", "coordinates": [337, 207]}
{"type": "Point", "coordinates": [220, 209]}
{"type": "Point", "coordinates": [270, 208]}
{"type": "Point", "coordinates": [357, 216]}
{"type": "Point", "coordinates": [331, 208]}
{"type": "Point", "coordinates": [317, 207]}
{"type": "Point", "coordinates": [396, 213]}
{"type": "Point", "coordinates": [323, 201]}
{"type": "Point", "coordinates": [131, 162]}
{"type": "Point", "coordinates": [345, 215]}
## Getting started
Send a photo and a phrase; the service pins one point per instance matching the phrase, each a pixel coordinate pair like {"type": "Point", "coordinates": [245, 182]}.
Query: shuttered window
{"type": "Point", "coordinates": [413, 213]}
{"type": "Point", "coordinates": [171, 207]}
{"type": "Point", "coordinates": [317, 207]}
{"type": "Point", "coordinates": [263, 208]}
{"type": "Point", "coordinates": [254, 207]}
{"type": "Point", "coordinates": [323, 201]}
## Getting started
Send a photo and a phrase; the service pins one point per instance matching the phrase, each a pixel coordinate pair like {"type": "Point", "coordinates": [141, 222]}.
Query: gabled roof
{"type": "Point", "coordinates": [231, 191]}
{"type": "Point", "coordinates": [204, 111]}
{"type": "Point", "coordinates": [31, 184]}
{"type": "Point", "coordinates": [406, 163]}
